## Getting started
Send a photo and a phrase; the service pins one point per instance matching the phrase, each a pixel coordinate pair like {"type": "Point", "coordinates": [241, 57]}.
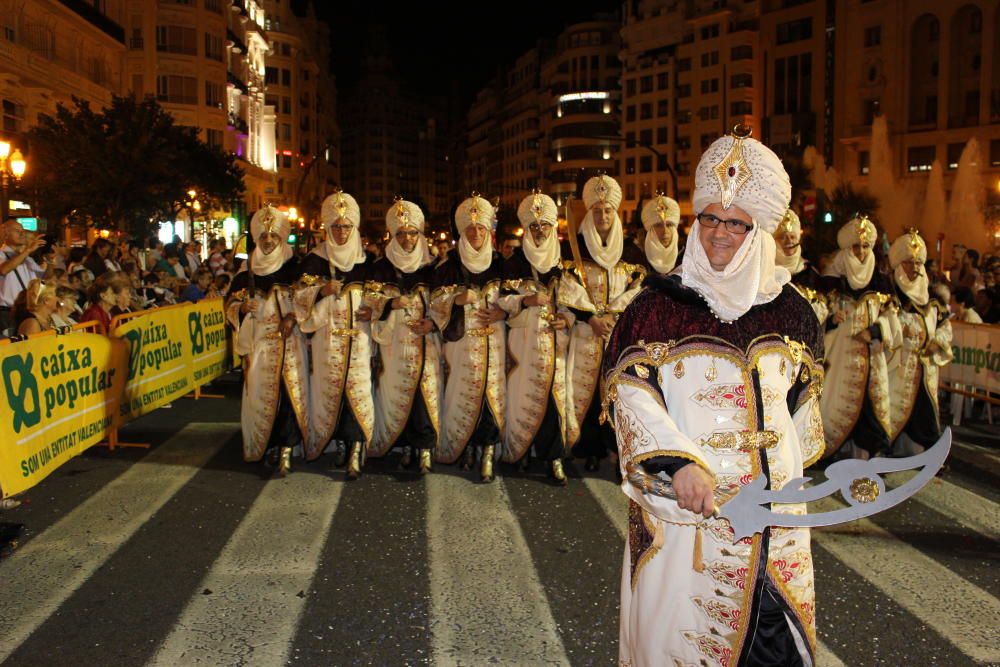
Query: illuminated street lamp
{"type": "Point", "coordinates": [11, 165]}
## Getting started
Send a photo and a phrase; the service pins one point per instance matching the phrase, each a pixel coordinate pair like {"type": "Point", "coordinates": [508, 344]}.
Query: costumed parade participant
{"type": "Point", "coordinates": [805, 277]}
{"type": "Point", "coordinates": [660, 218]}
{"type": "Point", "coordinates": [926, 347]}
{"type": "Point", "coordinates": [330, 305]}
{"type": "Point", "coordinates": [601, 275]}
{"type": "Point", "coordinates": [712, 376]}
{"type": "Point", "coordinates": [275, 409]}
{"type": "Point", "coordinates": [408, 382]}
{"type": "Point", "coordinates": [464, 307]}
{"type": "Point", "coordinates": [537, 341]}
{"type": "Point", "coordinates": [855, 402]}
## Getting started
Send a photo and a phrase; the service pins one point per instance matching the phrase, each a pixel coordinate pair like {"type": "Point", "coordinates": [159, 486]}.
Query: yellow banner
{"type": "Point", "coordinates": [159, 359]}
{"type": "Point", "coordinates": [62, 395]}
{"type": "Point", "coordinates": [210, 357]}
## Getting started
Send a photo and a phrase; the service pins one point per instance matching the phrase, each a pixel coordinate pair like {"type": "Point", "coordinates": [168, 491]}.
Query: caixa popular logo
{"type": "Point", "coordinates": [206, 332]}
{"type": "Point", "coordinates": [149, 348]}
{"type": "Point", "coordinates": [62, 378]}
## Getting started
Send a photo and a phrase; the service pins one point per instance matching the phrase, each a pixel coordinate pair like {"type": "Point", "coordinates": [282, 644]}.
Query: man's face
{"type": "Point", "coordinates": [788, 243]}
{"type": "Point", "coordinates": [664, 232]}
{"type": "Point", "coordinates": [475, 235]}
{"type": "Point", "coordinates": [204, 282]}
{"type": "Point", "coordinates": [268, 241]}
{"type": "Point", "coordinates": [540, 232]}
{"type": "Point", "coordinates": [16, 237]}
{"type": "Point", "coordinates": [407, 239]}
{"type": "Point", "coordinates": [442, 248]}
{"type": "Point", "coordinates": [340, 231]}
{"type": "Point", "coordinates": [604, 216]}
{"type": "Point", "coordinates": [911, 269]}
{"type": "Point", "coordinates": [103, 251]}
{"type": "Point", "coordinates": [861, 250]}
{"type": "Point", "coordinates": [508, 249]}
{"type": "Point", "coordinates": [720, 244]}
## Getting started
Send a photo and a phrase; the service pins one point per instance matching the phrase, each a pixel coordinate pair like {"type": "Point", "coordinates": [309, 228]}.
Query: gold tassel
{"type": "Point", "coordinates": [698, 565]}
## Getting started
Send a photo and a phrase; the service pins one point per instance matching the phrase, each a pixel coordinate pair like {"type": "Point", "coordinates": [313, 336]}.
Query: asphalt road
{"type": "Point", "coordinates": [184, 555]}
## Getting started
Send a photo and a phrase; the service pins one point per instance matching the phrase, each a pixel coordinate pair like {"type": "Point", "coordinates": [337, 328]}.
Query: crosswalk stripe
{"type": "Point", "coordinates": [964, 614]}
{"type": "Point", "coordinates": [615, 505]}
{"type": "Point", "coordinates": [247, 607]}
{"type": "Point", "coordinates": [487, 602]}
{"type": "Point", "coordinates": [963, 506]}
{"type": "Point", "coordinates": [40, 577]}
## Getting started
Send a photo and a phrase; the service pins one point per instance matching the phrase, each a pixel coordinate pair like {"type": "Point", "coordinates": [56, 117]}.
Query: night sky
{"type": "Point", "coordinates": [435, 48]}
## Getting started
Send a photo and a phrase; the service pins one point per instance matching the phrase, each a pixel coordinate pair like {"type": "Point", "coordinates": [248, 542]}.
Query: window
{"type": "Point", "coordinates": [286, 161]}
{"type": "Point", "coordinates": [663, 108]}
{"type": "Point", "coordinates": [630, 165]}
{"type": "Point", "coordinates": [286, 132]}
{"type": "Point", "coordinates": [793, 84]}
{"type": "Point", "coordinates": [271, 75]}
{"type": "Point", "coordinates": [176, 39]}
{"type": "Point", "coordinates": [630, 87]}
{"type": "Point", "coordinates": [286, 49]}
{"type": "Point", "coordinates": [741, 109]}
{"type": "Point", "coordinates": [709, 86]}
{"type": "Point", "coordinates": [709, 32]}
{"type": "Point", "coordinates": [213, 138]}
{"type": "Point", "coordinates": [920, 158]}
{"type": "Point", "coordinates": [630, 191]}
{"type": "Point", "coordinates": [709, 59]}
{"type": "Point", "coordinates": [744, 52]}
{"type": "Point", "coordinates": [286, 105]}
{"type": "Point", "coordinates": [13, 116]}
{"type": "Point", "coordinates": [177, 89]}
{"type": "Point", "coordinates": [741, 81]}
{"type": "Point", "coordinates": [709, 113]}
{"type": "Point", "coordinates": [646, 137]}
{"type": "Point", "coordinates": [864, 162]}
{"type": "Point", "coordinates": [645, 111]}
{"type": "Point", "coordinates": [870, 110]}
{"type": "Point", "coordinates": [213, 94]}
{"type": "Point", "coordinates": [629, 138]}
{"type": "Point", "coordinates": [630, 112]}
{"type": "Point", "coordinates": [646, 84]}
{"type": "Point", "coordinates": [663, 81]}
{"type": "Point", "coordinates": [794, 31]}
{"type": "Point", "coordinates": [683, 143]}
{"type": "Point", "coordinates": [286, 77]}
{"type": "Point", "coordinates": [706, 140]}
{"type": "Point", "coordinates": [645, 164]}
{"type": "Point", "coordinates": [995, 153]}
{"type": "Point", "coordinates": [214, 6]}
{"type": "Point", "coordinates": [684, 91]}
{"type": "Point", "coordinates": [873, 36]}
{"type": "Point", "coordinates": [954, 155]}
{"type": "Point", "coordinates": [213, 47]}
{"type": "Point", "coordinates": [684, 65]}
{"type": "Point", "coordinates": [661, 135]}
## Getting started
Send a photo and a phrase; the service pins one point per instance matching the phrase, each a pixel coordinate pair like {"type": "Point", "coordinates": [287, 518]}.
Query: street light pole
{"type": "Point", "coordinates": [11, 164]}
{"type": "Point", "coordinates": [659, 157]}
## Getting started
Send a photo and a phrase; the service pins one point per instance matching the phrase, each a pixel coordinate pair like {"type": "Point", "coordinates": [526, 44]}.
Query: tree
{"type": "Point", "coordinates": [124, 166]}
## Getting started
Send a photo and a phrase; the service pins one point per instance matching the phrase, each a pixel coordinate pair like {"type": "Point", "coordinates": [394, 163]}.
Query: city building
{"type": "Point", "coordinates": [301, 89]}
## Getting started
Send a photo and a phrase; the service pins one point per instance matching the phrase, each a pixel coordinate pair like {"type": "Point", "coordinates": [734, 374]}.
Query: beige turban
{"type": "Point", "coordinates": [404, 214]}
{"type": "Point", "coordinates": [270, 219]}
{"type": "Point", "coordinates": [737, 170]}
{"type": "Point", "coordinates": [791, 225]}
{"type": "Point", "coordinates": [537, 207]}
{"type": "Point", "coordinates": [858, 272]}
{"type": "Point", "coordinates": [476, 210]}
{"type": "Point", "coordinates": [342, 206]}
{"type": "Point", "coordinates": [661, 209]}
{"type": "Point", "coordinates": [859, 230]}
{"type": "Point", "coordinates": [602, 188]}
{"type": "Point", "coordinates": [906, 247]}
{"type": "Point", "coordinates": [541, 208]}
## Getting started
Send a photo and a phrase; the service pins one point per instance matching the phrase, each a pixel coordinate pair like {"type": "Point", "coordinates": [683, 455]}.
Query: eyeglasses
{"type": "Point", "coordinates": [341, 228]}
{"type": "Point", "coordinates": [733, 226]}
{"type": "Point", "coordinates": [535, 227]}
{"type": "Point", "coordinates": [407, 232]}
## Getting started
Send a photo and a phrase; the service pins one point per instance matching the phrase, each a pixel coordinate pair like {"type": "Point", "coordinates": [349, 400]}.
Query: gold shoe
{"type": "Point", "coordinates": [354, 461]}
{"type": "Point", "coordinates": [486, 466]}
{"type": "Point", "coordinates": [558, 474]}
{"type": "Point", "coordinates": [285, 461]}
{"type": "Point", "coordinates": [425, 461]}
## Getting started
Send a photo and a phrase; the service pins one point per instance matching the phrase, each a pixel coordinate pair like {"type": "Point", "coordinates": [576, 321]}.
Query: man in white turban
{"type": "Point", "coordinates": [711, 378]}
{"type": "Point", "coordinates": [275, 407]}
{"type": "Point", "coordinates": [601, 276]}
{"type": "Point", "coordinates": [330, 305]}
{"type": "Point", "coordinates": [660, 218]}
{"type": "Point", "coordinates": [408, 384]}
{"type": "Point", "coordinates": [537, 338]}
{"type": "Point", "coordinates": [788, 237]}
{"type": "Point", "coordinates": [464, 307]}
{"type": "Point", "coordinates": [926, 347]}
{"type": "Point", "coordinates": [855, 402]}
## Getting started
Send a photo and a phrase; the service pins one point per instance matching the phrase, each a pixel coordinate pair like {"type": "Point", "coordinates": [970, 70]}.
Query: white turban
{"type": "Point", "coordinates": [743, 172]}
{"type": "Point", "coordinates": [540, 208]}
{"type": "Point", "coordinates": [270, 220]}
{"type": "Point", "coordinates": [906, 247]}
{"type": "Point", "coordinates": [597, 190]}
{"type": "Point", "coordinates": [475, 211]}
{"type": "Point", "coordinates": [791, 226]}
{"type": "Point", "coordinates": [666, 210]}
{"type": "Point", "coordinates": [406, 215]}
{"type": "Point", "coordinates": [845, 264]}
{"type": "Point", "coordinates": [336, 207]}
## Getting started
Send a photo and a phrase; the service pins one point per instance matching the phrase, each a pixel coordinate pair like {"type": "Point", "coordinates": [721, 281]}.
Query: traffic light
{"type": "Point", "coordinates": [828, 218]}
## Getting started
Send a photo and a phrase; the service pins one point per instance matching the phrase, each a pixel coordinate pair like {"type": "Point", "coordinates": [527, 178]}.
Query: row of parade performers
{"type": "Point", "coordinates": [468, 359]}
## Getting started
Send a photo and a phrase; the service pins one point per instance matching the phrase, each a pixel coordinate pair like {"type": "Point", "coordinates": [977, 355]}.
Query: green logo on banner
{"type": "Point", "coordinates": [22, 392]}
{"type": "Point", "coordinates": [196, 333]}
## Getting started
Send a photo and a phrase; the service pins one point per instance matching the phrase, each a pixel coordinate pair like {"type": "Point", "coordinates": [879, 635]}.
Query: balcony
{"type": "Point", "coordinates": [96, 18]}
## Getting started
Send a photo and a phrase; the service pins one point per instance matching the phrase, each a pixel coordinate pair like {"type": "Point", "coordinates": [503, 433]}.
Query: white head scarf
{"type": "Point", "coordinates": [406, 215]}
{"type": "Point", "coordinates": [342, 206]}
{"type": "Point", "coordinates": [738, 170]}
{"type": "Point", "coordinates": [603, 189]}
{"type": "Point", "coordinates": [270, 219]}
{"type": "Point", "coordinates": [539, 208]}
{"type": "Point", "coordinates": [666, 210]}
{"type": "Point", "coordinates": [791, 226]}
{"type": "Point", "coordinates": [906, 247]}
{"type": "Point", "coordinates": [475, 211]}
{"type": "Point", "coordinates": [845, 264]}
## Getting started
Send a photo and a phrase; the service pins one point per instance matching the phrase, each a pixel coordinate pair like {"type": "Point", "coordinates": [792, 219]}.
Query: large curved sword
{"type": "Point", "coordinates": [859, 483]}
